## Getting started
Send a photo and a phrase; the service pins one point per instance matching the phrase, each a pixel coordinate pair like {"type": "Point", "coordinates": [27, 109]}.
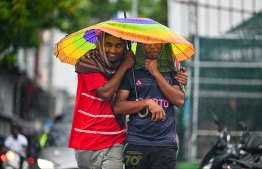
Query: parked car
{"type": "Point", "coordinates": [56, 153]}
{"type": "Point", "coordinates": [66, 116]}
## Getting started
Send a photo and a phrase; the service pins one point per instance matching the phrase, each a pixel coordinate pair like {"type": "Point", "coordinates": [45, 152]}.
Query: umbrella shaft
{"type": "Point", "coordinates": [134, 82]}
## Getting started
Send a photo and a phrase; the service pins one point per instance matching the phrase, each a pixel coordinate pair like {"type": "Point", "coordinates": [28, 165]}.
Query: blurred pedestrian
{"type": "Point", "coordinates": [17, 142]}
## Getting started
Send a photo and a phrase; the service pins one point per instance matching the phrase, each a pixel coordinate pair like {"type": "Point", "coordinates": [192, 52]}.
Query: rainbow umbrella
{"type": "Point", "coordinates": [143, 30]}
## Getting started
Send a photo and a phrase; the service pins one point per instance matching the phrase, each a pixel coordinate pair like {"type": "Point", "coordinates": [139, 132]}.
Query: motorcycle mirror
{"type": "Point", "coordinates": [242, 126]}
{"type": "Point", "coordinates": [215, 118]}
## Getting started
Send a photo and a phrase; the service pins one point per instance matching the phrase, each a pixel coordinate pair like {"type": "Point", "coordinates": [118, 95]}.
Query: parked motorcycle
{"type": "Point", "coordinates": [222, 146]}
{"type": "Point", "coordinates": [246, 154]}
{"type": "Point", "coordinates": [250, 153]}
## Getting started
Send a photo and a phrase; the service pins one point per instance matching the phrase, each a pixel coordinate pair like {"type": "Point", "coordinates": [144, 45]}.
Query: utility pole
{"type": "Point", "coordinates": [50, 75]}
{"type": "Point", "coordinates": [193, 30]}
{"type": "Point", "coordinates": [50, 61]}
{"type": "Point", "coordinates": [134, 9]}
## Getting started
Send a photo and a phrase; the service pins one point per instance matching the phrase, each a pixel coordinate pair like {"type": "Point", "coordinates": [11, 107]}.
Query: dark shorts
{"type": "Point", "coordinates": [149, 157]}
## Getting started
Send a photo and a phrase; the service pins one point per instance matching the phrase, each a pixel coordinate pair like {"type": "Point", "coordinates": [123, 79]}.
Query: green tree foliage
{"type": "Point", "coordinates": [153, 9]}
{"type": "Point", "coordinates": [22, 20]}
{"type": "Point", "coordinates": [89, 12]}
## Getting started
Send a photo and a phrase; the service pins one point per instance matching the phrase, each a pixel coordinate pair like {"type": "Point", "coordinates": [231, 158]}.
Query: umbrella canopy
{"type": "Point", "coordinates": [143, 30]}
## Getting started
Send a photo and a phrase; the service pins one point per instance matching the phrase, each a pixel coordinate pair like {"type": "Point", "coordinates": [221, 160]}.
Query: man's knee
{"type": "Point", "coordinates": [87, 159]}
{"type": "Point", "coordinates": [114, 157]}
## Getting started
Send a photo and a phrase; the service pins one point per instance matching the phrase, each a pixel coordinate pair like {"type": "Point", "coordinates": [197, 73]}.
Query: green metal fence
{"type": "Point", "coordinates": [226, 81]}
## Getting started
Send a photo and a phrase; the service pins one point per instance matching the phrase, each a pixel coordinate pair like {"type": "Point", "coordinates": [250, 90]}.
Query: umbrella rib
{"type": "Point", "coordinates": [70, 43]}
{"type": "Point", "coordinates": [182, 51]}
{"type": "Point", "coordinates": [67, 38]}
{"type": "Point", "coordinates": [72, 52]}
{"type": "Point", "coordinates": [57, 49]}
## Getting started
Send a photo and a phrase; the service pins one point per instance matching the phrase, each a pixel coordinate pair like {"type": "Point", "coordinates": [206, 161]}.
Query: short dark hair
{"type": "Point", "coordinates": [16, 126]}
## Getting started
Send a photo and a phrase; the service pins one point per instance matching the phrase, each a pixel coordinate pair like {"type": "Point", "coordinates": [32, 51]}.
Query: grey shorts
{"type": "Point", "coordinates": [107, 158]}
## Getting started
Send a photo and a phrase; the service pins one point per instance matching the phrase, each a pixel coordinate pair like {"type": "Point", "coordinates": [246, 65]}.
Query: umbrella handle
{"type": "Point", "coordinates": [143, 115]}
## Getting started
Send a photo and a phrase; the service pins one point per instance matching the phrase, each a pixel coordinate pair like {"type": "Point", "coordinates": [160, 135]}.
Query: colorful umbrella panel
{"type": "Point", "coordinates": [143, 30]}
